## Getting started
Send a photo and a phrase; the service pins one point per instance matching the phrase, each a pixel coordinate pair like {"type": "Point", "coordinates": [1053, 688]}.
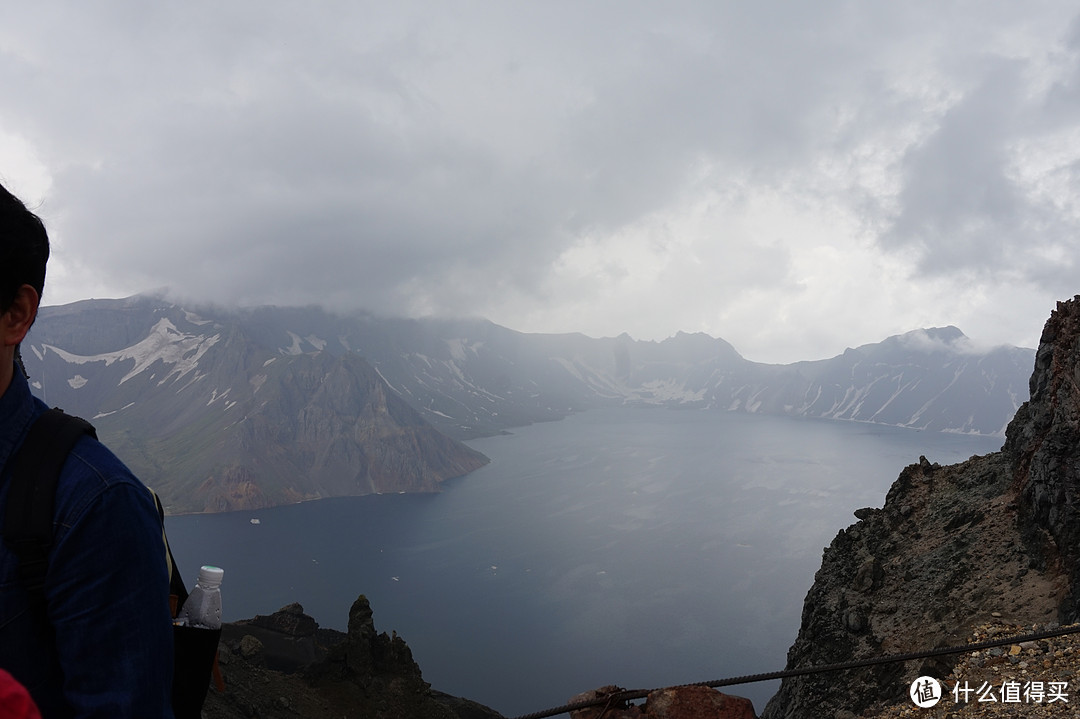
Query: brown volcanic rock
{"type": "Point", "coordinates": [951, 547]}
{"type": "Point", "coordinates": [684, 702]}
{"type": "Point", "coordinates": [697, 703]}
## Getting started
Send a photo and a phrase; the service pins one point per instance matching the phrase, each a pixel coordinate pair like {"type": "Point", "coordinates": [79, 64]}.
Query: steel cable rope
{"type": "Point", "coordinates": [628, 694]}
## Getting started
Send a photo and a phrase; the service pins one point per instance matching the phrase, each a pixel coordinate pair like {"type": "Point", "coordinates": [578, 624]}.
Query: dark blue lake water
{"type": "Point", "coordinates": [634, 547]}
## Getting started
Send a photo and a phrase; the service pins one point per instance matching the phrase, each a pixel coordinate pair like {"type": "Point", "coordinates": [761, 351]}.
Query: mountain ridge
{"type": "Point", "coordinates": [226, 396]}
{"type": "Point", "coordinates": [214, 422]}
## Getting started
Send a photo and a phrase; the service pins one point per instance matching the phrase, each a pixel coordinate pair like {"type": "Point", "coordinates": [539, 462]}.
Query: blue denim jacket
{"type": "Point", "coordinates": [109, 650]}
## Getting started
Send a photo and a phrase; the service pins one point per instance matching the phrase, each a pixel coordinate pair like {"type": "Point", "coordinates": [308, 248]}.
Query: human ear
{"type": "Point", "coordinates": [16, 321]}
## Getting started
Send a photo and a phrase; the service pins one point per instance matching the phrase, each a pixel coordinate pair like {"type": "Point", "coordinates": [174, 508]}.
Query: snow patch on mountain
{"type": "Point", "coordinates": [165, 343]}
{"type": "Point", "coordinates": [385, 380]}
{"type": "Point", "coordinates": [99, 415]}
{"type": "Point", "coordinates": [215, 396]}
{"type": "Point", "coordinates": [195, 319]}
{"type": "Point", "coordinates": [293, 349]}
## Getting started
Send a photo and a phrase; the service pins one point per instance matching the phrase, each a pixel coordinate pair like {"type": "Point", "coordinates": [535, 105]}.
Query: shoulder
{"type": "Point", "coordinates": [92, 475]}
{"type": "Point", "coordinates": [104, 521]}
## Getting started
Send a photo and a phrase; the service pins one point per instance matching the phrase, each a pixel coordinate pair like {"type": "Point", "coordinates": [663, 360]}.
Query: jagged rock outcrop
{"type": "Point", "coordinates": [1044, 444]}
{"type": "Point", "coordinates": [286, 665]}
{"type": "Point", "coordinates": [950, 547]}
{"type": "Point", "coordinates": [287, 640]}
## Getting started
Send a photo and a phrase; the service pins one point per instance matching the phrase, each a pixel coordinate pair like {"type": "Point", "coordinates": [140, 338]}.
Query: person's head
{"type": "Point", "coordinates": [24, 249]}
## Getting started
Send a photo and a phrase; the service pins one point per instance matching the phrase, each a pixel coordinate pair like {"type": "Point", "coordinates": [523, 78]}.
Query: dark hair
{"type": "Point", "coordinates": [24, 249]}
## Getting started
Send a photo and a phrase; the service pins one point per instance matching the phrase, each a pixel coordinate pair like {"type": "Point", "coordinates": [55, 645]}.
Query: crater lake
{"type": "Point", "coordinates": [638, 547]}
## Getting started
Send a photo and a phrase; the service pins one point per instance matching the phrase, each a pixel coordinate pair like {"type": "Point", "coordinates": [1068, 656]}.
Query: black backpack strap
{"type": "Point", "coordinates": [176, 581]}
{"type": "Point", "coordinates": [35, 470]}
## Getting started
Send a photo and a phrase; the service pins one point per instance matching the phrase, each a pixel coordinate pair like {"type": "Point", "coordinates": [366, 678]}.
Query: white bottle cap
{"type": "Point", "coordinates": [210, 575]}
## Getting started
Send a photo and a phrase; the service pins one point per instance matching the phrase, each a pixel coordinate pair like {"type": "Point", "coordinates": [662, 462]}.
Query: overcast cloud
{"type": "Point", "coordinates": [792, 177]}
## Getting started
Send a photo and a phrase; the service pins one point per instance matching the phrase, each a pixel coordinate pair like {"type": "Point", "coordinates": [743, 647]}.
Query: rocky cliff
{"type": "Point", "coordinates": [1043, 444]}
{"type": "Point", "coordinates": [952, 547]}
{"type": "Point", "coordinates": [284, 665]}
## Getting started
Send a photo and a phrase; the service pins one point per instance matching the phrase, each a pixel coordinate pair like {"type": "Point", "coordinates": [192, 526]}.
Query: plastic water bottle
{"type": "Point", "coordinates": [203, 605]}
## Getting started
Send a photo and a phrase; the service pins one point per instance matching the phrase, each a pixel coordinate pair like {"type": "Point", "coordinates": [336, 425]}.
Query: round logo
{"type": "Point", "coordinates": [925, 692]}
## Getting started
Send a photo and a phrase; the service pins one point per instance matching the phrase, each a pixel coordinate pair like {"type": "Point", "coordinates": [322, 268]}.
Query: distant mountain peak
{"type": "Point", "coordinates": [949, 333]}
{"type": "Point", "coordinates": [928, 340]}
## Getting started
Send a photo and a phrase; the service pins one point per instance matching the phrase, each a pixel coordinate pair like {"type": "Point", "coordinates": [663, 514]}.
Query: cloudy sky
{"type": "Point", "coordinates": [794, 177]}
